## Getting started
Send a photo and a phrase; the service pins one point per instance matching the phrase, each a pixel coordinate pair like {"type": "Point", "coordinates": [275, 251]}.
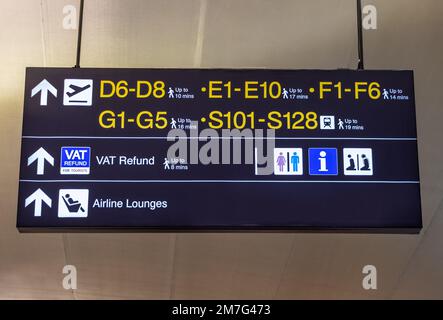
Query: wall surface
{"type": "Point", "coordinates": [226, 33]}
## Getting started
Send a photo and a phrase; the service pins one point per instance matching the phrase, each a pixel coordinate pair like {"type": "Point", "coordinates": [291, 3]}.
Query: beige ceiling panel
{"type": "Point", "coordinates": [280, 34]}
{"type": "Point", "coordinates": [204, 265]}
{"type": "Point", "coordinates": [21, 38]}
{"type": "Point", "coordinates": [140, 33]}
{"type": "Point", "coordinates": [229, 266]}
{"type": "Point", "coordinates": [122, 265]}
{"type": "Point", "coordinates": [30, 265]}
{"type": "Point", "coordinates": [336, 262]}
{"type": "Point", "coordinates": [60, 39]}
{"type": "Point", "coordinates": [423, 277]}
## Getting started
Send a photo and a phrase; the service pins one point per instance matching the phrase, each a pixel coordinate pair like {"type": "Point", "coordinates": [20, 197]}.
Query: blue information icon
{"type": "Point", "coordinates": [323, 161]}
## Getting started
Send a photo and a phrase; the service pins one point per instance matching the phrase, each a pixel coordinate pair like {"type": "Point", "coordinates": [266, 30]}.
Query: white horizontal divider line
{"type": "Point", "coordinates": [230, 137]}
{"type": "Point", "coordinates": [223, 181]}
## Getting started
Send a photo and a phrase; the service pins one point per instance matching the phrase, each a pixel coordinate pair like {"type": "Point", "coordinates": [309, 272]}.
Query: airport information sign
{"type": "Point", "coordinates": [218, 149]}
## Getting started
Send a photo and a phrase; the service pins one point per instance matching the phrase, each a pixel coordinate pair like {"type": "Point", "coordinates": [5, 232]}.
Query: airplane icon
{"type": "Point", "coordinates": [77, 89]}
{"type": "Point", "coordinates": [77, 92]}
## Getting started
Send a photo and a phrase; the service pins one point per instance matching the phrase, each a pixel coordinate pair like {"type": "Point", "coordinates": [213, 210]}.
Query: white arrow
{"type": "Point", "coordinates": [44, 87]}
{"type": "Point", "coordinates": [38, 197]}
{"type": "Point", "coordinates": [41, 155]}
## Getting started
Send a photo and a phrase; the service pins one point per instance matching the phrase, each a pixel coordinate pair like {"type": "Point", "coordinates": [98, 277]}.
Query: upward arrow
{"type": "Point", "coordinates": [38, 197]}
{"type": "Point", "coordinates": [41, 155]}
{"type": "Point", "coordinates": [44, 87]}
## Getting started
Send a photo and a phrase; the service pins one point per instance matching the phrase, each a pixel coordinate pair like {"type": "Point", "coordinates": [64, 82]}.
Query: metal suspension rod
{"type": "Point", "coordinates": [79, 35]}
{"type": "Point", "coordinates": [361, 65]}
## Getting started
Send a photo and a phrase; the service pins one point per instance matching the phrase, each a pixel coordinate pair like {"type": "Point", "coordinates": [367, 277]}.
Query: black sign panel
{"type": "Point", "coordinates": [196, 149]}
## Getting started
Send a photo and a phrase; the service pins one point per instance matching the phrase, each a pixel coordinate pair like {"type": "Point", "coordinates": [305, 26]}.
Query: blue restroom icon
{"type": "Point", "coordinates": [323, 161]}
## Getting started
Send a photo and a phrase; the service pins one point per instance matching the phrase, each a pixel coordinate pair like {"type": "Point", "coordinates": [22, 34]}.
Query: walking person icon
{"type": "Point", "coordinates": [295, 160]}
{"type": "Point", "coordinates": [285, 94]}
{"type": "Point", "coordinates": [340, 124]}
{"type": "Point", "coordinates": [173, 123]}
{"type": "Point", "coordinates": [281, 161]}
{"type": "Point", "coordinates": [166, 164]}
{"type": "Point", "coordinates": [385, 94]}
{"type": "Point", "coordinates": [171, 92]}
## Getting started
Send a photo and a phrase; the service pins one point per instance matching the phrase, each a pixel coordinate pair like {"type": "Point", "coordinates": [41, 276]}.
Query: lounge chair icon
{"type": "Point", "coordinates": [72, 205]}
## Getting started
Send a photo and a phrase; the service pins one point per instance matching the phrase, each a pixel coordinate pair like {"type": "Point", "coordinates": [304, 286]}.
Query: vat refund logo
{"type": "Point", "coordinates": [75, 160]}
